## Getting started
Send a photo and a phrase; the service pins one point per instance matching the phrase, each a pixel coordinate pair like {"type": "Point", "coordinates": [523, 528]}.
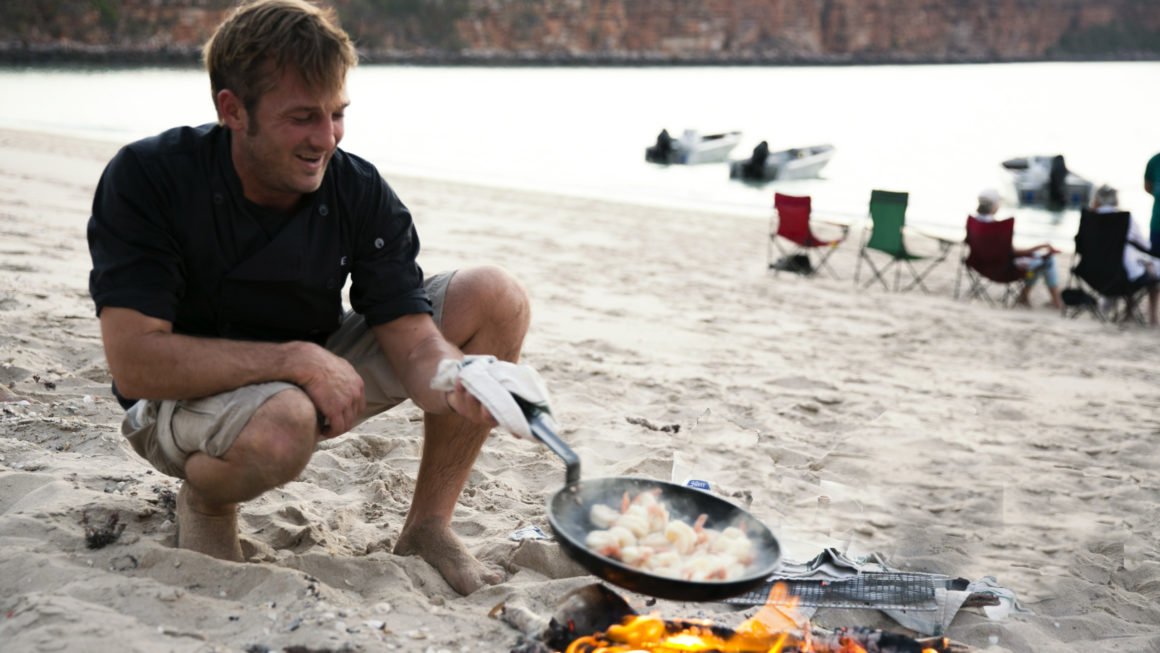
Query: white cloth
{"type": "Point", "coordinates": [496, 384]}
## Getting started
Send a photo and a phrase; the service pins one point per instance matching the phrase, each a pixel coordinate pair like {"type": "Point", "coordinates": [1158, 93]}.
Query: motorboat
{"type": "Point", "coordinates": [1035, 176]}
{"type": "Point", "coordinates": [692, 147]}
{"type": "Point", "coordinates": [794, 163]}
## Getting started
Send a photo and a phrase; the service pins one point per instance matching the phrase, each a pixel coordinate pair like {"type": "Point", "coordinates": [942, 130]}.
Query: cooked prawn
{"type": "Point", "coordinates": [641, 534]}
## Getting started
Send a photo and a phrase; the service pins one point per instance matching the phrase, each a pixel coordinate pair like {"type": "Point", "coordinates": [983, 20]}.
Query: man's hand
{"type": "Point", "coordinates": [510, 394]}
{"type": "Point", "coordinates": [464, 404]}
{"type": "Point", "coordinates": [335, 388]}
{"type": "Point", "coordinates": [149, 361]}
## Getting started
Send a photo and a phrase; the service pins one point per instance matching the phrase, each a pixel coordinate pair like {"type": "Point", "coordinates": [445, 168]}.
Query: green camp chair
{"type": "Point", "coordinates": [888, 215]}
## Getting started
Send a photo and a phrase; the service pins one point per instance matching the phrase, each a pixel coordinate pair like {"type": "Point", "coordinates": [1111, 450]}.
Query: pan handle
{"type": "Point", "coordinates": [544, 428]}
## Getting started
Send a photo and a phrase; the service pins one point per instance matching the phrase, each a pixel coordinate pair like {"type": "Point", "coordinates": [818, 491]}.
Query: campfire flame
{"type": "Point", "coordinates": [777, 627]}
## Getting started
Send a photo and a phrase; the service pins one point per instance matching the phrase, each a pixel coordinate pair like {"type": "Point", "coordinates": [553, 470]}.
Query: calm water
{"type": "Point", "coordinates": [938, 132]}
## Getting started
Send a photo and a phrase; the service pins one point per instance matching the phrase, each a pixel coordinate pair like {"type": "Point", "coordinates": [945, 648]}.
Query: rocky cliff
{"type": "Point", "coordinates": [620, 31]}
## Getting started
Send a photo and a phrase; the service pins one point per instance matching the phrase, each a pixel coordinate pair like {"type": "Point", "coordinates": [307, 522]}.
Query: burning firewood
{"type": "Point", "coordinates": [589, 609]}
{"type": "Point", "coordinates": [594, 618]}
{"type": "Point", "coordinates": [648, 633]}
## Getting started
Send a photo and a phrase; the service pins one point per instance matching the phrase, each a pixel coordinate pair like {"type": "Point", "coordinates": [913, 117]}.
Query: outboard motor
{"type": "Point", "coordinates": [662, 152]}
{"type": "Point", "coordinates": [755, 166]}
{"type": "Point", "coordinates": [1057, 184]}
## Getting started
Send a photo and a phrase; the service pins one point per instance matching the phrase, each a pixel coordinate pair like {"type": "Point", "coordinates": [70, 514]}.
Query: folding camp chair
{"type": "Point", "coordinates": [888, 214]}
{"type": "Point", "coordinates": [988, 262]}
{"type": "Point", "coordinates": [1099, 271]}
{"type": "Point", "coordinates": [793, 226]}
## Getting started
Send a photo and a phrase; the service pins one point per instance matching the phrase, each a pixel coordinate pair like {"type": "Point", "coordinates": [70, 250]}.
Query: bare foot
{"type": "Point", "coordinates": [446, 553]}
{"type": "Point", "coordinates": [214, 534]}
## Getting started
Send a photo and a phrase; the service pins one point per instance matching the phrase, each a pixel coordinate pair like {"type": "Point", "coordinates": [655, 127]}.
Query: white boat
{"type": "Point", "coordinates": [794, 163]}
{"type": "Point", "coordinates": [1032, 178]}
{"type": "Point", "coordinates": [692, 147]}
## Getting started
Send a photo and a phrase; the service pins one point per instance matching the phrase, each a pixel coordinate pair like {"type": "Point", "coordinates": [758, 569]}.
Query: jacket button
{"type": "Point", "coordinates": [322, 210]}
{"type": "Point", "coordinates": [217, 198]}
{"type": "Point", "coordinates": [379, 243]}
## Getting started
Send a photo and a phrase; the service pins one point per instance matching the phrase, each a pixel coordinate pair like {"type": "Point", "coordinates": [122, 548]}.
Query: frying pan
{"type": "Point", "coordinates": [568, 511]}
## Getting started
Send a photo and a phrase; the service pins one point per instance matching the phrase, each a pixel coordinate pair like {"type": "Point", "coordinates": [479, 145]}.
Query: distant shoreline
{"type": "Point", "coordinates": [106, 56]}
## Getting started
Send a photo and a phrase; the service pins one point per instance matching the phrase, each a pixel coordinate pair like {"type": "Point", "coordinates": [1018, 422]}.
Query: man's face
{"type": "Point", "coordinates": [281, 149]}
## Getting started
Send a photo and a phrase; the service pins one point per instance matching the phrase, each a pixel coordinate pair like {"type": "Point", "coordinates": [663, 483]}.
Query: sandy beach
{"type": "Point", "coordinates": [948, 437]}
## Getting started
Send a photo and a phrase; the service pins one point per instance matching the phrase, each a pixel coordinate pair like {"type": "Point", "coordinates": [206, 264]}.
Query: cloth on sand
{"type": "Point", "coordinates": [497, 384]}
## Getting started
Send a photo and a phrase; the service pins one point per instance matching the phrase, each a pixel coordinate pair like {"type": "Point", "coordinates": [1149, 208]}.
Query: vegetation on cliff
{"type": "Point", "coordinates": [617, 31]}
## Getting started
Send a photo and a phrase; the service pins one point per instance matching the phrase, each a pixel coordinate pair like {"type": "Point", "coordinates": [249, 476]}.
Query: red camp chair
{"type": "Point", "coordinates": [793, 226]}
{"type": "Point", "coordinates": [989, 262]}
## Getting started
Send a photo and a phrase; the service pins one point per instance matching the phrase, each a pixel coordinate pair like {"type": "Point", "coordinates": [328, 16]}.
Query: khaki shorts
{"type": "Point", "coordinates": [167, 432]}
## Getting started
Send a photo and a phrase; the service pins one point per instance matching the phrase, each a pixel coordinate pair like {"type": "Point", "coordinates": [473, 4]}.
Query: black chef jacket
{"type": "Point", "coordinates": [172, 236]}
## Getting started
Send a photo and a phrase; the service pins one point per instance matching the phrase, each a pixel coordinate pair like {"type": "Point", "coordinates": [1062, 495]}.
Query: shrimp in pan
{"type": "Point", "coordinates": [640, 533]}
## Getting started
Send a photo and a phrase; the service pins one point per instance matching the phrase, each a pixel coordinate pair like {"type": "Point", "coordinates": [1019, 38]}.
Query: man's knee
{"type": "Point", "coordinates": [279, 439]}
{"type": "Point", "coordinates": [501, 291]}
{"type": "Point", "coordinates": [494, 301]}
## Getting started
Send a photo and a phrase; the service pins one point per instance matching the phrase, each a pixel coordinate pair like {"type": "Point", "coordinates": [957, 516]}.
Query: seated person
{"type": "Point", "coordinates": [1142, 269]}
{"type": "Point", "coordinates": [1037, 261]}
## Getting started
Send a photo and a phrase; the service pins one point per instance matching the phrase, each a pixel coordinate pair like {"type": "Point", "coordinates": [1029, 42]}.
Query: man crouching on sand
{"type": "Point", "coordinates": [219, 256]}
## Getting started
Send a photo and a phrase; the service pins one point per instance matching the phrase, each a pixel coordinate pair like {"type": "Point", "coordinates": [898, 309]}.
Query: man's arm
{"type": "Point", "coordinates": [414, 347]}
{"type": "Point", "coordinates": [149, 361]}
{"type": "Point", "coordinates": [1047, 248]}
{"type": "Point", "coordinates": [1136, 237]}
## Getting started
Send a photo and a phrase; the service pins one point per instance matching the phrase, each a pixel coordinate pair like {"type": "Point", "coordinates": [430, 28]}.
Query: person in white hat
{"type": "Point", "coordinates": [1037, 261]}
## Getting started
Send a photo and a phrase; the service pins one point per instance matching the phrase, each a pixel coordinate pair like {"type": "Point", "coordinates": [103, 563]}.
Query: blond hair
{"type": "Point", "coordinates": [249, 51]}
